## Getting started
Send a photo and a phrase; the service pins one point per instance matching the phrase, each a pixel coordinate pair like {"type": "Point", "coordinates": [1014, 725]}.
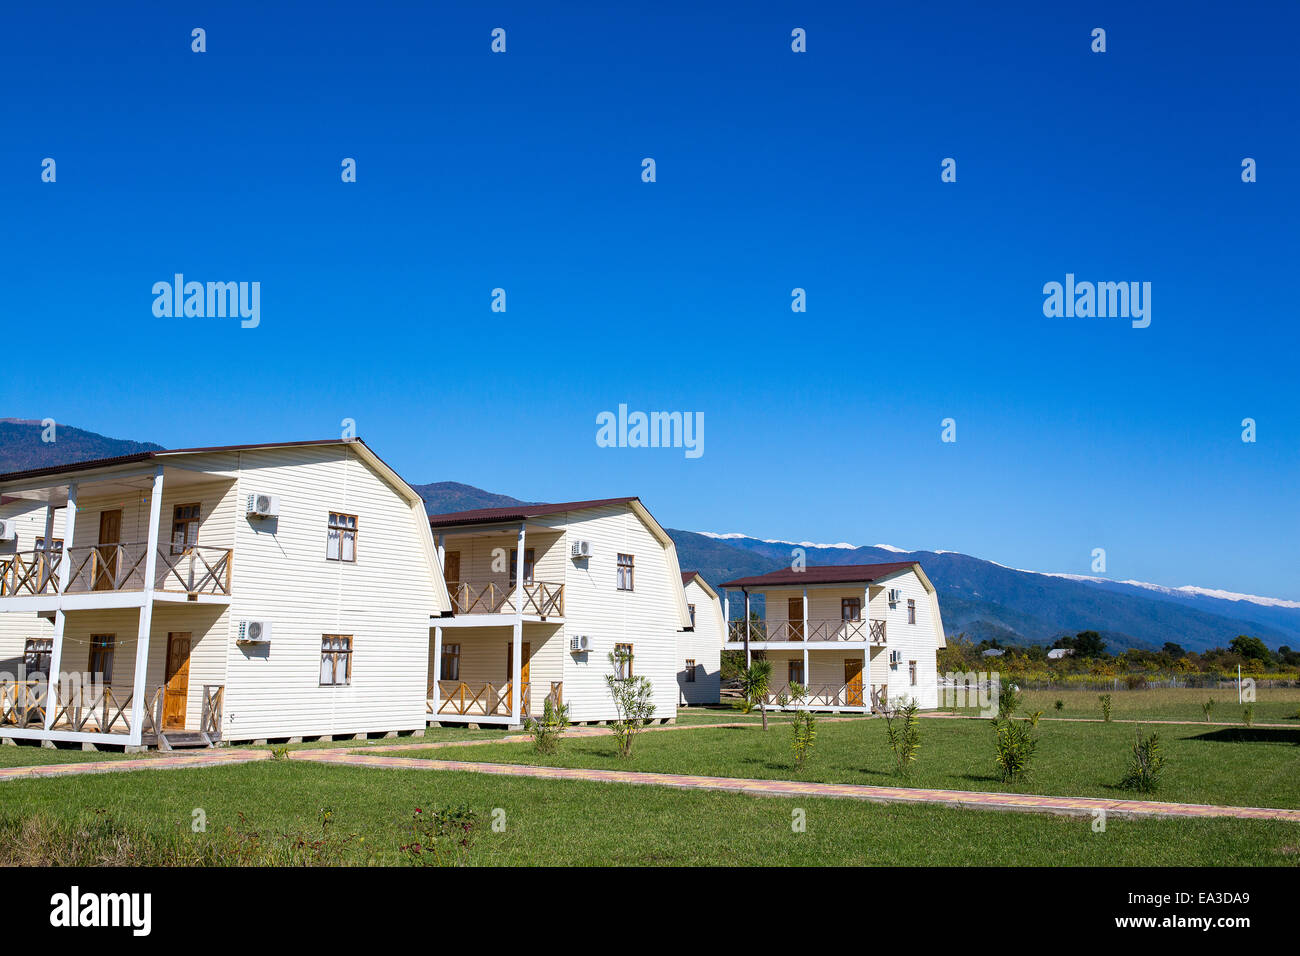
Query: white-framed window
{"type": "Point", "coordinates": [690, 671]}
{"type": "Point", "coordinates": [623, 661]}
{"type": "Point", "coordinates": [794, 672]}
{"type": "Point", "coordinates": [911, 611]}
{"type": "Point", "coordinates": [101, 656]}
{"type": "Point", "coordinates": [185, 528]}
{"type": "Point", "coordinates": [911, 672]}
{"type": "Point", "coordinates": [335, 660]}
{"type": "Point", "coordinates": [341, 543]}
{"type": "Point", "coordinates": [451, 662]}
{"type": "Point", "coordinates": [691, 608]}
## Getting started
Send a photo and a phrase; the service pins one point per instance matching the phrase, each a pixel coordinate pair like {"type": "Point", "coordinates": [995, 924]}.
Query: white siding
{"type": "Point", "coordinates": [704, 646]}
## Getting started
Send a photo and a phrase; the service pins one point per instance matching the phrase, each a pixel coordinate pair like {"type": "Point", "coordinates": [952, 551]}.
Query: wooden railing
{"type": "Point", "coordinates": [540, 598]}
{"type": "Point", "coordinates": [214, 697]}
{"type": "Point", "coordinates": [462, 699]}
{"type": "Point", "coordinates": [828, 695]}
{"type": "Point", "coordinates": [798, 631]}
{"type": "Point", "coordinates": [22, 703]}
{"type": "Point", "coordinates": [197, 569]}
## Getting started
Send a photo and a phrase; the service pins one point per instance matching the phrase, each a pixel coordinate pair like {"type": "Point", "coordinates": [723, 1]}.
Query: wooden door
{"type": "Point", "coordinates": [853, 682]}
{"type": "Point", "coordinates": [526, 652]}
{"type": "Point", "coordinates": [177, 690]}
{"type": "Point", "coordinates": [110, 536]}
{"type": "Point", "coordinates": [795, 615]}
{"type": "Point", "coordinates": [451, 574]}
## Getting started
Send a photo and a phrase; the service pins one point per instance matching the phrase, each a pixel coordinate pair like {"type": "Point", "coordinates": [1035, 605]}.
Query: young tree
{"type": "Point", "coordinates": [633, 700]}
{"type": "Point", "coordinates": [754, 681]}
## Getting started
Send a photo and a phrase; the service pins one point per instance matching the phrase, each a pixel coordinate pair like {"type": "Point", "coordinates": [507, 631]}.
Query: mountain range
{"type": "Point", "coordinates": [979, 598]}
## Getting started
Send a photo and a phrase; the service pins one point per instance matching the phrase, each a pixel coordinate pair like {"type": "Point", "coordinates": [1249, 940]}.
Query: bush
{"type": "Point", "coordinates": [1207, 708]}
{"type": "Point", "coordinates": [1146, 763]}
{"type": "Point", "coordinates": [1033, 716]}
{"type": "Point", "coordinates": [1248, 714]}
{"type": "Point", "coordinates": [1015, 745]}
{"type": "Point", "coordinates": [550, 728]}
{"type": "Point", "coordinates": [804, 733]}
{"type": "Point", "coordinates": [1105, 707]}
{"type": "Point", "coordinates": [1060, 705]}
{"type": "Point", "coordinates": [632, 702]}
{"type": "Point", "coordinates": [1008, 699]}
{"type": "Point", "coordinates": [903, 731]}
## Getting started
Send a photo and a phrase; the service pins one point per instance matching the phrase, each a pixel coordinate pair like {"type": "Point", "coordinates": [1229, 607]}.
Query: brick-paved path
{"type": "Point", "coordinates": [1025, 803]}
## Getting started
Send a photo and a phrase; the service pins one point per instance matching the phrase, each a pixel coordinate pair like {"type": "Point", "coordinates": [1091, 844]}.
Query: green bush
{"type": "Point", "coordinates": [1207, 708]}
{"type": "Point", "coordinates": [1146, 762]}
{"type": "Point", "coordinates": [1015, 743]}
{"type": "Point", "coordinates": [804, 731]}
{"type": "Point", "coordinates": [1060, 705]}
{"type": "Point", "coordinates": [1008, 699]}
{"type": "Point", "coordinates": [1248, 714]}
{"type": "Point", "coordinates": [903, 731]}
{"type": "Point", "coordinates": [1105, 707]}
{"type": "Point", "coordinates": [550, 728]}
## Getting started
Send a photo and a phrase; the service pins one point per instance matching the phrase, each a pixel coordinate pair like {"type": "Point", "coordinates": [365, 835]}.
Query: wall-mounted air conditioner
{"type": "Point", "coordinates": [254, 632]}
{"type": "Point", "coordinates": [263, 506]}
{"type": "Point", "coordinates": [8, 529]}
{"type": "Point", "coordinates": [580, 549]}
{"type": "Point", "coordinates": [895, 657]}
{"type": "Point", "coordinates": [895, 595]}
{"type": "Point", "coordinates": [580, 643]}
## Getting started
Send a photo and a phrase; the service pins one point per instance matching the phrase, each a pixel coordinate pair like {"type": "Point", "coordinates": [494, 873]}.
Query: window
{"type": "Point", "coordinates": [37, 654]}
{"type": "Point", "coordinates": [911, 671]}
{"type": "Point", "coordinates": [101, 657]}
{"type": "Point", "coordinates": [528, 564]}
{"type": "Point", "coordinates": [911, 611]}
{"type": "Point", "coordinates": [185, 528]}
{"type": "Point", "coordinates": [622, 661]}
{"type": "Point", "coordinates": [57, 545]}
{"type": "Point", "coordinates": [794, 672]}
{"type": "Point", "coordinates": [625, 572]}
{"type": "Point", "coordinates": [691, 608]}
{"type": "Point", "coordinates": [335, 660]}
{"type": "Point", "coordinates": [342, 542]}
{"type": "Point", "coordinates": [450, 662]}
{"type": "Point", "coordinates": [690, 672]}
{"type": "Point", "coordinates": [850, 609]}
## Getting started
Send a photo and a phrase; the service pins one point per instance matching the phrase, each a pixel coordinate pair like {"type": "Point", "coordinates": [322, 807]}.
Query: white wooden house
{"type": "Point", "coordinates": [700, 649]}
{"type": "Point", "coordinates": [540, 596]}
{"type": "Point", "coordinates": [236, 593]}
{"type": "Point", "coordinates": [853, 635]}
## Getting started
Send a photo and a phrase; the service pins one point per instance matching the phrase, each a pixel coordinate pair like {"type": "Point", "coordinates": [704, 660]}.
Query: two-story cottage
{"type": "Point", "coordinates": [541, 594]}
{"type": "Point", "coordinates": [236, 593]}
{"type": "Point", "coordinates": [853, 635]}
{"type": "Point", "coordinates": [700, 648]}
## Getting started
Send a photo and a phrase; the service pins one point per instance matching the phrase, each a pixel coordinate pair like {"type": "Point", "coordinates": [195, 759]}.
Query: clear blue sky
{"type": "Point", "coordinates": [775, 170]}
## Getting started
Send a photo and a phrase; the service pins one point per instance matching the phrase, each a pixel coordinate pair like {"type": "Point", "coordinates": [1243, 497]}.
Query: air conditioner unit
{"type": "Point", "coordinates": [8, 529]}
{"type": "Point", "coordinates": [263, 506]}
{"type": "Point", "coordinates": [254, 632]}
{"type": "Point", "coordinates": [580, 643]}
{"type": "Point", "coordinates": [895, 595]}
{"type": "Point", "coordinates": [580, 549]}
{"type": "Point", "coordinates": [895, 657]}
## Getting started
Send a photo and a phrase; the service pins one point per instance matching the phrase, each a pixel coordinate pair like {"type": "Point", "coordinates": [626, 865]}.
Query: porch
{"type": "Point", "coordinates": [474, 672]}
{"type": "Point", "coordinates": [538, 599]}
{"type": "Point", "coordinates": [461, 700]}
{"type": "Point", "coordinates": [868, 631]}
{"type": "Point", "coordinates": [837, 698]}
{"type": "Point", "coordinates": [192, 570]}
{"type": "Point", "coordinates": [95, 713]}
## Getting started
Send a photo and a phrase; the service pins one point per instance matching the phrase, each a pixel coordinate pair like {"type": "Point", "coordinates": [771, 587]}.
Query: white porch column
{"type": "Point", "coordinates": [441, 540]}
{"type": "Point", "coordinates": [516, 654]}
{"type": "Point", "coordinates": [437, 669]}
{"type": "Point", "coordinates": [46, 570]}
{"type": "Point", "coordinates": [60, 618]}
{"type": "Point", "coordinates": [807, 630]}
{"type": "Point", "coordinates": [747, 625]}
{"type": "Point", "coordinates": [139, 691]}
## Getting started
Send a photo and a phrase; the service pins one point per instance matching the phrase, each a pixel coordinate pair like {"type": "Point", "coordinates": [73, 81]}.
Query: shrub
{"type": "Point", "coordinates": [903, 731]}
{"type": "Point", "coordinates": [804, 732]}
{"type": "Point", "coordinates": [1248, 714]}
{"type": "Point", "coordinates": [550, 728]}
{"type": "Point", "coordinates": [1146, 763]}
{"type": "Point", "coordinates": [1060, 705]}
{"type": "Point", "coordinates": [1015, 745]}
{"type": "Point", "coordinates": [1033, 716]}
{"type": "Point", "coordinates": [754, 681]}
{"type": "Point", "coordinates": [1008, 699]}
{"type": "Point", "coordinates": [1105, 707]}
{"type": "Point", "coordinates": [443, 837]}
{"type": "Point", "coordinates": [1207, 708]}
{"type": "Point", "coordinates": [632, 702]}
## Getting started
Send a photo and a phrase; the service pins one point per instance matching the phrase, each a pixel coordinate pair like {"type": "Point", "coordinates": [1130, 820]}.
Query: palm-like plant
{"type": "Point", "coordinates": [754, 681]}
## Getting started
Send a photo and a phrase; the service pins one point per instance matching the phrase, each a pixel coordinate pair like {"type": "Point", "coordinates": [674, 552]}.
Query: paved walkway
{"type": "Point", "coordinates": [1025, 803]}
{"type": "Point", "coordinates": [168, 761]}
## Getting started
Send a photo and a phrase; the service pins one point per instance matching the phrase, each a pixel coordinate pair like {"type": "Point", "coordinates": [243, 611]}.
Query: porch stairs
{"type": "Point", "coordinates": [179, 740]}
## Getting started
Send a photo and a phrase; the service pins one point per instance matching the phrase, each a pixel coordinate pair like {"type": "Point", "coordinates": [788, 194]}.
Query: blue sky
{"type": "Point", "coordinates": [775, 170]}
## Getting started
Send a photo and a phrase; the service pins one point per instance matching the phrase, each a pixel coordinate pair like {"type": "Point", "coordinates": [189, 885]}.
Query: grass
{"type": "Point", "coordinates": [146, 818]}
{"type": "Point", "coordinates": [1273, 705]}
{"type": "Point", "coordinates": [1231, 766]}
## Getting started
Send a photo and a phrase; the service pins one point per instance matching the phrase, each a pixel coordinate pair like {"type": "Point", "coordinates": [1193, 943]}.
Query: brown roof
{"type": "Point", "coordinates": [828, 574]}
{"type": "Point", "coordinates": [518, 512]}
{"type": "Point", "coordinates": [688, 576]}
{"type": "Point", "coordinates": [159, 453]}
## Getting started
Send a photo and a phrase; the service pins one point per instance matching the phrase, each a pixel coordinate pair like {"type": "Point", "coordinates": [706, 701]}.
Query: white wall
{"type": "Point", "coordinates": [704, 646]}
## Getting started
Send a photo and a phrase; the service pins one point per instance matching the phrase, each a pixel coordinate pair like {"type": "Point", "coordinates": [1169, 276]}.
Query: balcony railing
{"type": "Point", "coordinates": [197, 569]}
{"type": "Point", "coordinates": [96, 708]}
{"type": "Point", "coordinates": [540, 598]}
{"type": "Point", "coordinates": [788, 631]}
{"type": "Point", "coordinates": [461, 699]}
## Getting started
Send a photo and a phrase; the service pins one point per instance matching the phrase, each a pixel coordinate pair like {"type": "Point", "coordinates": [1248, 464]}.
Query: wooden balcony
{"type": "Point", "coordinates": [100, 709]}
{"type": "Point", "coordinates": [779, 632]}
{"type": "Point", "coordinates": [457, 698]}
{"type": "Point", "coordinates": [540, 598]}
{"type": "Point", "coordinates": [116, 567]}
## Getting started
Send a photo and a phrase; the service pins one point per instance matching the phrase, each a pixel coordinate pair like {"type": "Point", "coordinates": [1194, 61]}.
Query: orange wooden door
{"type": "Point", "coordinates": [177, 690]}
{"type": "Point", "coordinates": [526, 652]}
{"type": "Point", "coordinates": [110, 535]}
{"type": "Point", "coordinates": [853, 682]}
{"type": "Point", "coordinates": [451, 571]}
{"type": "Point", "coordinates": [795, 615]}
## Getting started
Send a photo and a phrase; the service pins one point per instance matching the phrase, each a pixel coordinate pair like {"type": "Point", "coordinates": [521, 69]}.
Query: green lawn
{"type": "Point", "coordinates": [570, 823]}
{"type": "Point", "coordinates": [1225, 765]}
{"type": "Point", "coordinates": [1273, 705]}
